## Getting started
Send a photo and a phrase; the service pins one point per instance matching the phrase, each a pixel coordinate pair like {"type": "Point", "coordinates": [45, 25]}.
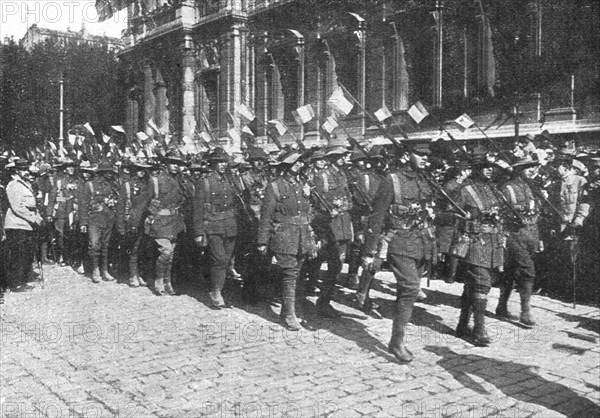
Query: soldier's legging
{"type": "Point", "coordinates": [99, 239]}
{"type": "Point", "coordinates": [334, 253]}
{"type": "Point", "coordinates": [290, 266]}
{"type": "Point", "coordinates": [133, 251]}
{"type": "Point", "coordinates": [220, 252]}
{"type": "Point", "coordinates": [164, 262]}
{"type": "Point", "coordinates": [519, 267]}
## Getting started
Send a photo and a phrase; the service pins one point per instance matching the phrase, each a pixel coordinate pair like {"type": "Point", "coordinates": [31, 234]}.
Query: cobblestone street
{"type": "Point", "coordinates": [81, 349]}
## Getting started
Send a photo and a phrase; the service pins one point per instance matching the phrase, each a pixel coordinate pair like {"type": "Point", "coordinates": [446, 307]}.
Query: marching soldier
{"type": "Point", "coordinates": [522, 241]}
{"type": "Point", "coordinates": [285, 229]}
{"type": "Point", "coordinates": [332, 224]}
{"type": "Point", "coordinates": [131, 213]}
{"type": "Point", "coordinates": [480, 244]}
{"type": "Point", "coordinates": [215, 222]}
{"type": "Point", "coordinates": [405, 200]}
{"type": "Point", "coordinates": [165, 221]}
{"type": "Point", "coordinates": [98, 217]}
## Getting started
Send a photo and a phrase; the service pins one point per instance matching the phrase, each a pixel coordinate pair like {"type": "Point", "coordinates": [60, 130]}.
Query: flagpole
{"type": "Point", "coordinates": [61, 83]}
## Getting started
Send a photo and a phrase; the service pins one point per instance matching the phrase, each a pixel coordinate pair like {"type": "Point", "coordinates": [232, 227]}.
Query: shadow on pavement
{"type": "Point", "coordinates": [557, 397]}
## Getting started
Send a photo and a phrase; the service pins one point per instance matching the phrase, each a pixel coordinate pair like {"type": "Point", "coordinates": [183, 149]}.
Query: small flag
{"type": "Point", "coordinates": [52, 145]}
{"type": "Point", "coordinates": [383, 114]}
{"type": "Point", "coordinates": [105, 138]}
{"type": "Point", "coordinates": [245, 112]}
{"type": "Point", "coordinates": [464, 122]}
{"type": "Point", "coordinates": [205, 137]}
{"type": "Point", "coordinates": [153, 126]}
{"type": "Point", "coordinates": [89, 128]}
{"type": "Point", "coordinates": [339, 103]}
{"type": "Point", "coordinates": [418, 112]}
{"type": "Point", "coordinates": [72, 139]}
{"type": "Point", "coordinates": [234, 134]}
{"type": "Point", "coordinates": [330, 124]}
{"type": "Point", "coordinates": [304, 114]}
{"type": "Point", "coordinates": [118, 128]}
{"type": "Point", "coordinates": [279, 126]}
{"type": "Point", "coordinates": [141, 136]}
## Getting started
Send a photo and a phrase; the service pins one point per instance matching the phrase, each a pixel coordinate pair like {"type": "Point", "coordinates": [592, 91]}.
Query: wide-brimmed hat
{"type": "Point", "coordinates": [106, 166]}
{"type": "Point", "coordinates": [257, 154]}
{"type": "Point", "coordinates": [218, 155]}
{"type": "Point", "coordinates": [172, 158]}
{"type": "Point", "coordinates": [317, 154]}
{"type": "Point", "coordinates": [524, 162]}
{"type": "Point", "coordinates": [421, 149]}
{"type": "Point", "coordinates": [289, 156]}
{"type": "Point", "coordinates": [336, 151]}
{"type": "Point", "coordinates": [17, 164]}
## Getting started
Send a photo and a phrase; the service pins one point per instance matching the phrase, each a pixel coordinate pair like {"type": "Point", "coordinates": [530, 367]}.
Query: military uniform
{"type": "Point", "coordinates": [334, 230]}
{"type": "Point", "coordinates": [62, 209]}
{"type": "Point", "coordinates": [164, 223]}
{"type": "Point", "coordinates": [285, 227]}
{"type": "Point", "coordinates": [404, 200]}
{"type": "Point", "coordinates": [481, 241]}
{"type": "Point", "coordinates": [215, 219]}
{"type": "Point", "coordinates": [522, 243]}
{"type": "Point", "coordinates": [98, 215]}
{"type": "Point", "coordinates": [131, 213]}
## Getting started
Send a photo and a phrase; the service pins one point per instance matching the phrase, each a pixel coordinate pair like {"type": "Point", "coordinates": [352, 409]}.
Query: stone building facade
{"type": "Point", "coordinates": [192, 61]}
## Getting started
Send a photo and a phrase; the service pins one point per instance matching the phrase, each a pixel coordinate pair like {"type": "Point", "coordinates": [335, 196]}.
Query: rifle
{"type": "Point", "coordinates": [313, 189]}
{"type": "Point", "coordinates": [544, 200]}
{"type": "Point", "coordinates": [363, 195]}
{"type": "Point", "coordinates": [238, 195]}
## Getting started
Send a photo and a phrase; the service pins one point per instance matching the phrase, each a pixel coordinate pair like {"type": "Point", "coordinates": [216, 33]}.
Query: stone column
{"type": "Point", "coordinates": [187, 87]}
{"type": "Point", "coordinates": [161, 114]}
{"type": "Point", "coordinates": [149, 102]}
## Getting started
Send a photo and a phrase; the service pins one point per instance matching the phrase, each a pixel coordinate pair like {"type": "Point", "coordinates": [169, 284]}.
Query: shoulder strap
{"type": "Point", "coordinates": [471, 190]}
{"type": "Point", "coordinates": [397, 188]}
{"type": "Point", "coordinates": [276, 190]}
{"type": "Point", "coordinates": [91, 183]}
{"type": "Point", "coordinates": [128, 190]}
{"type": "Point", "coordinates": [206, 188]}
{"type": "Point", "coordinates": [325, 181]}
{"type": "Point", "coordinates": [155, 184]}
{"type": "Point", "coordinates": [513, 195]}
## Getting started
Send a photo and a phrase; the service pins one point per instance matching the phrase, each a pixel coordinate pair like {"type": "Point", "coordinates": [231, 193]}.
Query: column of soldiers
{"type": "Point", "coordinates": [478, 219]}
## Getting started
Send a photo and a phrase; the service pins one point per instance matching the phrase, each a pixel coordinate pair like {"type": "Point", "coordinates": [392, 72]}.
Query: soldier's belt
{"type": "Point", "coordinates": [168, 212]}
{"type": "Point", "coordinates": [218, 216]}
{"type": "Point", "coordinates": [294, 220]}
{"type": "Point", "coordinates": [478, 228]}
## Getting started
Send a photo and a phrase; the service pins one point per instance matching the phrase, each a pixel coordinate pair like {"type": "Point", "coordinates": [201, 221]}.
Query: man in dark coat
{"type": "Point", "coordinates": [285, 229]}
{"type": "Point", "coordinates": [405, 200]}
{"type": "Point", "coordinates": [98, 217]}
{"type": "Point", "coordinates": [215, 222]}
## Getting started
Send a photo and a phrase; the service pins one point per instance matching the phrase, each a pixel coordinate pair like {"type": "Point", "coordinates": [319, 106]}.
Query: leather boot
{"type": "Point", "coordinates": [168, 287]}
{"type": "Point", "coordinates": [141, 281]}
{"type": "Point", "coordinates": [134, 281]}
{"type": "Point", "coordinates": [288, 305]}
{"type": "Point", "coordinates": [463, 330]}
{"type": "Point", "coordinates": [105, 274]}
{"type": "Point", "coordinates": [159, 286]}
{"type": "Point", "coordinates": [396, 345]}
{"type": "Point", "coordinates": [325, 309]}
{"type": "Point", "coordinates": [502, 308]}
{"type": "Point", "coordinates": [526, 319]}
{"type": "Point", "coordinates": [480, 337]}
{"type": "Point", "coordinates": [452, 269]}
{"type": "Point", "coordinates": [96, 277]}
{"type": "Point", "coordinates": [352, 281]}
{"type": "Point", "coordinates": [217, 299]}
